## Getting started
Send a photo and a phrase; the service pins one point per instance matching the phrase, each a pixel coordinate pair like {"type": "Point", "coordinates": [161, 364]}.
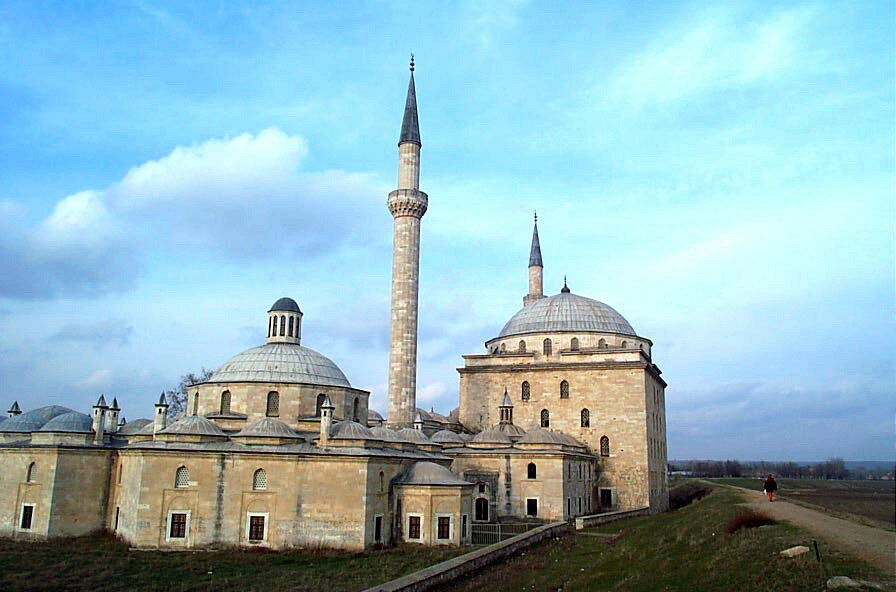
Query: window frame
{"type": "Point", "coordinates": [437, 526]}
{"type": "Point", "coordinates": [378, 521]}
{"type": "Point", "coordinates": [30, 472]}
{"type": "Point", "coordinates": [605, 452]}
{"type": "Point", "coordinates": [547, 347]}
{"type": "Point", "coordinates": [525, 391]}
{"type": "Point", "coordinates": [226, 397]}
{"type": "Point", "coordinates": [255, 474]}
{"type": "Point", "coordinates": [537, 504]}
{"type": "Point", "coordinates": [531, 471]}
{"type": "Point", "coordinates": [545, 417]}
{"type": "Point", "coordinates": [464, 526]}
{"type": "Point", "coordinates": [30, 526]}
{"type": "Point", "coordinates": [272, 396]}
{"type": "Point", "coordinates": [564, 389]}
{"type": "Point", "coordinates": [186, 537]}
{"type": "Point", "coordinates": [177, 474]}
{"type": "Point", "coordinates": [420, 529]}
{"type": "Point", "coordinates": [585, 417]}
{"type": "Point", "coordinates": [249, 517]}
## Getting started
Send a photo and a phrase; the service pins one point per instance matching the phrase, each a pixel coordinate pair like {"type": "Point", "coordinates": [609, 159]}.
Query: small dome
{"type": "Point", "coordinates": [386, 434]}
{"type": "Point", "coordinates": [134, 427]}
{"type": "Point", "coordinates": [542, 436]}
{"type": "Point", "coordinates": [491, 436]}
{"type": "Point", "coordinates": [285, 305]}
{"type": "Point", "coordinates": [567, 312]}
{"type": "Point", "coordinates": [194, 425]}
{"type": "Point", "coordinates": [33, 420]}
{"type": "Point", "coordinates": [429, 473]}
{"type": "Point", "coordinates": [415, 436]}
{"type": "Point", "coordinates": [351, 430]}
{"type": "Point", "coordinates": [281, 362]}
{"type": "Point", "coordinates": [374, 415]}
{"type": "Point", "coordinates": [69, 422]}
{"type": "Point", "coordinates": [267, 427]}
{"type": "Point", "coordinates": [465, 436]}
{"type": "Point", "coordinates": [447, 437]}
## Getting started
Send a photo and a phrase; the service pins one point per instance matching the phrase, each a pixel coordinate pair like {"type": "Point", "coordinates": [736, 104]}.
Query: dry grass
{"type": "Point", "coordinates": [748, 519]}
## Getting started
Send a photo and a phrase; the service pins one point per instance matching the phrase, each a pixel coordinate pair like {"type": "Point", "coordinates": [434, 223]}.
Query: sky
{"type": "Point", "coordinates": [723, 176]}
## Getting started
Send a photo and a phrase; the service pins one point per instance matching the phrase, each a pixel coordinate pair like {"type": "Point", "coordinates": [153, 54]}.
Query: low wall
{"type": "Point", "coordinates": [596, 519]}
{"type": "Point", "coordinates": [446, 571]}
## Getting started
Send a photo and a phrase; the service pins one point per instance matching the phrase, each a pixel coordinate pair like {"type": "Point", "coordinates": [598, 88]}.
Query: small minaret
{"type": "Point", "coordinates": [112, 417]}
{"type": "Point", "coordinates": [14, 410]}
{"type": "Point", "coordinates": [506, 408]}
{"type": "Point", "coordinates": [99, 420]}
{"type": "Point", "coordinates": [285, 322]}
{"type": "Point", "coordinates": [407, 204]}
{"type": "Point", "coordinates": [326, 420]}
{"type": "Point", "coordinates": [536, 269]}
{"type": "Point", "coordinates": [122, 422]}
{"type": "Point", "coordinates": [418, 421]}
{"type": "Point", "coordinates": [161, 418]}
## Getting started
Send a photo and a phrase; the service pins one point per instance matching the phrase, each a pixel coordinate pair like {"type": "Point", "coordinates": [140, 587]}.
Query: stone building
{"type": "Point", "coordinates": [562, 417]}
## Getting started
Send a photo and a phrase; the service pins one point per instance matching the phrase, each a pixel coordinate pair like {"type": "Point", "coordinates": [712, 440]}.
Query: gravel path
{"type": "Point", "coordinates": [874, 545]}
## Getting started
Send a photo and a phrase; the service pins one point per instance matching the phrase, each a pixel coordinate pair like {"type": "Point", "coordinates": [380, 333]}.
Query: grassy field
{"type": "Point", "coordinates": [102, 563]}
{"type": "Point", "coordinates": [873, 500]}
{"type": "Point", "coordinates": [685, 550]}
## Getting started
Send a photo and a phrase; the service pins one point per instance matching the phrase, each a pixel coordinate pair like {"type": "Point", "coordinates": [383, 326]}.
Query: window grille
{"type": "Point", "coordinates": [260, 480]}
{"type": "Point", "coordinates": [564, 390]}
{"type": "Point", "coordinates": [586, 418]}
{"type": "Point", "coordinates": [273, 407]}
{"type": "Point", "coordinates": [574, 344]}
{"type": "Point", "coordinates": [531, 471]}
{"type": "Point", "coordinates": [225, 402]}
{"type": "Point", "coordinates": [413, 527]}
{"type": "Point", "coordinates": [182, 477]}
{"type": "Point", "coordinates": [604, 446]}
{"type": "Point", "coordinates": [522, 346]}
{"type": "Point", "coordinates": [547, 347]}
{"type": "Point", "coordinates": [256, 528]}
{"type": "Point", "coordinates": [178, 528]}
{"type": "Point", "coordinates": [545, 418]}
{"type": "Point", "coordinates": [525, 391]}
{"type": "Point", "coordinates": [444, 528]}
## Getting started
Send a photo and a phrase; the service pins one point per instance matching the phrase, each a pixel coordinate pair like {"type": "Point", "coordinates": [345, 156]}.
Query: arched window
{"type": "Point", "coordinates": [545, 418]}
{"type": "Point", "coordinates": [564, 390]}
{"type": "Point", "coordinates": [282, 325]}
{"type": "Point", "coordinates": [604, 446]}
{"type": "Point", "coordinates": [273, 407]}
{"type": "Point", "coordinates": [547, 347]}
{"type": "Point", "coordinates": [320, 401]}
{"type": "Point", "coordinates": [182, 477]}
{"type": "Point", "coordinates": [602, 343]}
{"type": "Point", "coordinates": [269, 326]}
{"type": "Point", "coordinates": [531, 471]}
{"type": "Point", "coordinates": [481, 510]}
{"type": "Point", "coordinates": [586, 418]}
{"type": "Point", "coordinates": [290, 326]}
{"type": "Point", "coordinates": [260, 480]}
{"type": "Point", "coordinates": [522, 346]}
{"type": "Point", "coordinates": [624, 344]}
{"type": "Point", "coordinates": [274, 326]}
{"type": "Point", "coordinates": [525, 391]}
{"type": "Point", "coordinates": [503, 348]}
{"type": "Point", "coordinates": [31, 474]}
{"type": "Point", "coordinates": [382, 482]}
{"type": "Point", "coordinates": [196, 403]}
{"type": "Point", "coordinates": [225, 402]}
{"type": "Point", "coordinates": [574, 344]}
{"type": "Point", "coordinates": [355, 406]}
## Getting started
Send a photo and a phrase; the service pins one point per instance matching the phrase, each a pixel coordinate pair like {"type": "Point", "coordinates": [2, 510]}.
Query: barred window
{"type": "Point", "coordinates": [547, 347]}
{"type": "Point", "coordinates": [574, 344]}
{"type": "Point", "coordinates": [273, 407]}
{"type": "Point", "coordinates": [564, 390]}
{"type": "Point", "coordinates": [260, 480]}
{"type": "Point", "coordinates": [182, 477]}
{"type": "Point", "coordinates": [604, 446]}
{"type": "Point", "coordinates": [31, 474]}
{"type": "Point", "coordinates": [586, 418]}
{"type": "Point", "coordinates": [522, 346]}
{"type": "Point", "coordinates": [525, 391]}
{"type": "Point", "coordinates": [413, 527]}
{"type": "Point", "coordinates": [444, 528]}
{"type": "Point", "coordinates": [256, 528]}
{"type": "Point", "coordinates": [225, 402]}
{"type": "Point", "coordinates": [545, 418]}
{"type": "Point", "coordinates": [178, 528]}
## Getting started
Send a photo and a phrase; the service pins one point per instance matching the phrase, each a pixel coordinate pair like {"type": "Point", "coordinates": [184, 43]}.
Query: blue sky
{"type": "Point", "coordinates": [721, 175]}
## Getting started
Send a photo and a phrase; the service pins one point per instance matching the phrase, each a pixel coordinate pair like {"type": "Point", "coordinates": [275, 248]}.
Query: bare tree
{"type": "Point", "coordinates": [177, 397]}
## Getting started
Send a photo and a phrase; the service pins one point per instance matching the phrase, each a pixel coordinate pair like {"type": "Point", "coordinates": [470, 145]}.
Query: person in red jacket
{"type": "Point", "coordinates": [770, 487]}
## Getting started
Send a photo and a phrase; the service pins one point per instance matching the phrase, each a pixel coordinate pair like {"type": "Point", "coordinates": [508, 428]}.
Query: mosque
{"type": "Point", "coordinates": [562, 416]}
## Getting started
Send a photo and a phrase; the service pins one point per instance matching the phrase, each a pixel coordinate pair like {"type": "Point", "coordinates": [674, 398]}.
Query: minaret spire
{"type": "Point", "coordinates": [407, 205]}
{"type": "Point", "coordinates": [536, 269]}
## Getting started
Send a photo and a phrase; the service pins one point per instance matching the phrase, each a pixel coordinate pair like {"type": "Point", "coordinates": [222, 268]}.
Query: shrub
{"type": "Point", "coordinates": [748, 519]}
{"type": "Point", "coordinates": [686, 493]}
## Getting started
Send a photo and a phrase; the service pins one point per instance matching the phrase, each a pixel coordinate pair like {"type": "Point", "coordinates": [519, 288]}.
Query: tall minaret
{"type": "Point", "coordinates": [407, 205]}
{"type": "Point", "coordinates": [536, 270]}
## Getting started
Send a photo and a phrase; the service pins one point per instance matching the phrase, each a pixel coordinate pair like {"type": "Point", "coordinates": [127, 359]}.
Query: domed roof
{"type": "Point", "coordinates": [194, 425]}
{"type": "Point", "coordinates": [285, 305]}
{"type": "Point", "coordinates": [447, 437]}
{"type": "Point", "coordinates": [267, 427]}
{"type": "Point", "coordinates": [542, 436]}
{"type": "Point", "coordinates": [281, 362]}
{"type": "Point", "coordinates": [491, 436]}
{"type": "Point", "coordinates": [351, 430]}
{"type": "Point", "coordinates": [33, 420]}
{"type": "Point", "coordinates": [412, 435]}
{"type": "Point", "coordinates": [132, 427]}
{"type": "Point", "coordinates": [371, 414]}
{"type": "Point", "coordinates": [429, 473]}
{"type": "Point", "coordinates": [69, 422]}
{"type": "Point", "coordinates": [566, 312]}
{"type": "Point", "coordinates": [386, 434]}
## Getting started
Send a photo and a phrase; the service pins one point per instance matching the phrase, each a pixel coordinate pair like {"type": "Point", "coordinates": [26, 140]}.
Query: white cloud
{"type": "Point", "coordinates": [98, 379]}
{"type": "Point", "coordinates": [431, 392]}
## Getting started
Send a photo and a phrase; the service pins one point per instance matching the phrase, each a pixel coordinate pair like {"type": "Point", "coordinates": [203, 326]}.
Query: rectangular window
{"type": "Point", "coordinates": [463, 527]}
{"type": "Point", "coordinates": [531, 507]}
{"type": "Point", "coordinates": [117, 512]}
{"type": "Point", "coordinates": [27, 516]}
{"type": "Point", "coordinates": [606, 498]}
{"type": "Point", "coordinates": [256, 528]}
{"type": "Point", "coordinates": [414, 527]}
{"type": "Point", "coordinates": [178, 529]}
{"type": "Point", "coordinates": [443, 531]}
{"type": "Point", "coordinates": [378, 529]}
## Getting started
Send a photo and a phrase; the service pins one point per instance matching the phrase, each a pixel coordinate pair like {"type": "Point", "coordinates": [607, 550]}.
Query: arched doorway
{"type": "Point", "coordinates": [481, 510]}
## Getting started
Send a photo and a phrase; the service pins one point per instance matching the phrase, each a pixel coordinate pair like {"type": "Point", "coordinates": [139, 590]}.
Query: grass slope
{"type": "Point", "coordinates": [103, 564]}
{"type": "Point", "coordinates": [686, 550]}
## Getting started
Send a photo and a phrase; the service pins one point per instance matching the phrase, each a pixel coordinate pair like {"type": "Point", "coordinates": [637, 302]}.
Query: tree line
{"type": "Point", "coordinates": [833, 468]}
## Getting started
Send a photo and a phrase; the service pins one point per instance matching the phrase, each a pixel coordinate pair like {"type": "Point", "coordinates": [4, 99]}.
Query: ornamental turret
{"type": "Point", "coordinates": [112, 416]}
{"type": "Point", "coordinates": [506, 408]}
{"type": "Point", "coordinates": [407, 204]}
{"type": "Point", "coordinates": [536, 270]}
{"type": "Point", "coordinates": [285, 322]}
{"type": "Point", "coordinates": [326, 420]}
{"type": "Point", "coordinates": [161, 417]}
{"type": "Point", "coordinates": [14, 410]}
{"type": "Point", "coordinates": [99, 420]}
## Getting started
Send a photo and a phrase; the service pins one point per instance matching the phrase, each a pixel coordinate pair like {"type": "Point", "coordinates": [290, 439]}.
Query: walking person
{"type": "Point", "coordinates": [770, 487]}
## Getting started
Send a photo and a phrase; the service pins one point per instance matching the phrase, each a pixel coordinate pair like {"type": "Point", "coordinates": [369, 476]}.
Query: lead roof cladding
{"type": "Point", "coordinates": [567, 312]}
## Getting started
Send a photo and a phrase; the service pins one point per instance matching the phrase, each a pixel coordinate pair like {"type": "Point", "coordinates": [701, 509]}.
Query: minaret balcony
{"type": "Point", "coordinates": [408, 202]}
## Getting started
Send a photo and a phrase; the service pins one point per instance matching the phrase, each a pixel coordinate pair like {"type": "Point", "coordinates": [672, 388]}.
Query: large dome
{"type": "Point", "coordinates": [567, 312]}
{"type": "Point", "coordinates": [281, 362]}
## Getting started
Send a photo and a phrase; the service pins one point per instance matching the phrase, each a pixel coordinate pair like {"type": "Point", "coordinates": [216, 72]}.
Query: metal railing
{"type": "Point", "coordinates": [483, 533]}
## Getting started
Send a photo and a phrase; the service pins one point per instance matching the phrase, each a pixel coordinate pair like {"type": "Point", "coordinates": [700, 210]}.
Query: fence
{"type": "Point", "coordinates": [489, 533]}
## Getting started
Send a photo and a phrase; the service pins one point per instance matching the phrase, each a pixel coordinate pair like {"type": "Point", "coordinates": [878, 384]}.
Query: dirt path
{"type": "Point", "coordinates": [875, 545]}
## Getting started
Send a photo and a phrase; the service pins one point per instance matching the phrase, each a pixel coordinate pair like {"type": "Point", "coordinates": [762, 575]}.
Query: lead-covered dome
{"type": "Point", "coordinates": [285, 305]}
{"type": "Point", "coordinates": [567, 312]}
{"type": "Point", "coordinates": [281, 362]}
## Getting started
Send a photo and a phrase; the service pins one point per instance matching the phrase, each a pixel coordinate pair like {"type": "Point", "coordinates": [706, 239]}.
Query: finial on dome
{"type": "Point", "coordinates": [565, 288]}
{"type": "Point", "coordinates": [536, 216]}
{"type": "Point", "coordinates": [412, 62]}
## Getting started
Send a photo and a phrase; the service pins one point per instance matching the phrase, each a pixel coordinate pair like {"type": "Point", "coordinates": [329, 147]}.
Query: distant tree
{"type": "Point", "coordinates": [177, 397]}
{"type": "Point", "coordinates": [833, 468]}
